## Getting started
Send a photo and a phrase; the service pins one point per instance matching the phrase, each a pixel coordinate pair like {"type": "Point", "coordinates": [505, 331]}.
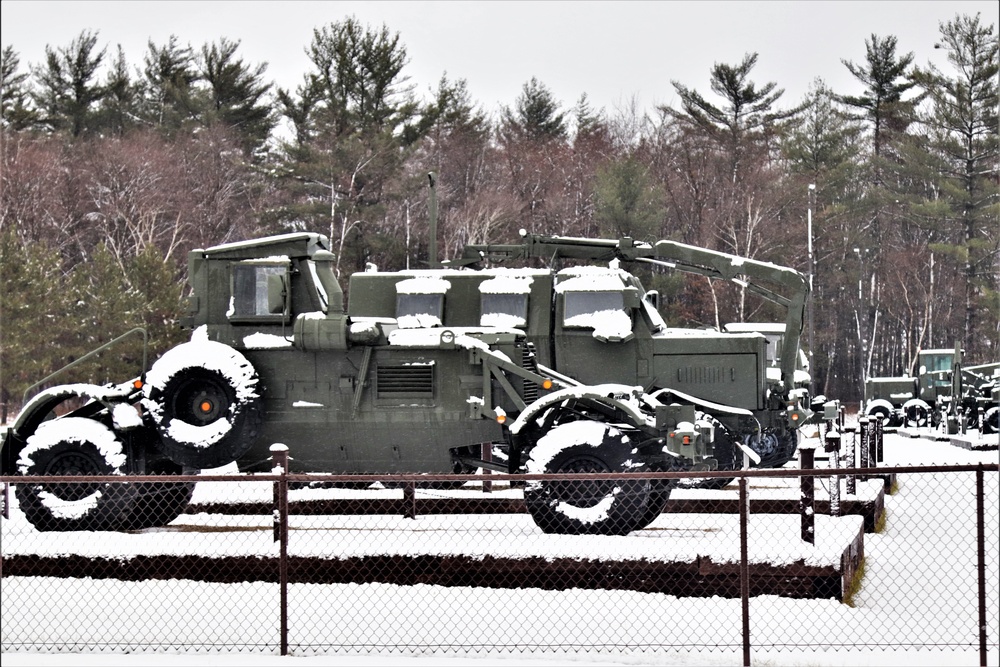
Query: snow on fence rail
{"type": "Point", "coordinates": [305, 564]}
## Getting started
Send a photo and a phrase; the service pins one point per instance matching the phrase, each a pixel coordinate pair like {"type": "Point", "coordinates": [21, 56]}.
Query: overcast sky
{"type": "Point", "coordinates": [613, 51]}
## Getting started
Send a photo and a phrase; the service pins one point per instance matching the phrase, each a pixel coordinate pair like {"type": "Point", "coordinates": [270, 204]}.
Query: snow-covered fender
{"type": "Point", "coordinates": [37, 410]}
{"type": "Point", "coordinates": [613, 395]}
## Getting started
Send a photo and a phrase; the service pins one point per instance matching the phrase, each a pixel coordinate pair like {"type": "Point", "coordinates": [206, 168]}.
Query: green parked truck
{"type": "Point", "coordinates": [598, 324]}
{"type": "Point", "coordinates": [275, 357]}
{"type": "Point", "coordinates": [944, 390]}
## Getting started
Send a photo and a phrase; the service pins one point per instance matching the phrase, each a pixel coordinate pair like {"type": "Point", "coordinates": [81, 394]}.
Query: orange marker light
{"type": "Point", "coordinates": [687, 439]}
{"type": "Point", "coordinates": [501, 419]}
{"type": "Point", "coordinates": [137, 384]}
{"type": "Point", "coordinates": [206, 406]}
{"type": "Point", "coordinates": [547, 384]}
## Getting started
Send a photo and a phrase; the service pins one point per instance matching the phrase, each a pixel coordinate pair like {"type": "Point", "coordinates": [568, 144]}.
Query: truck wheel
{"type": "Point", "coordinates": [658, 498]}
{"type": "Point", "coordinates": [725, 454]}
{"type": "Point", "coordinates": [602, 507]}
{"type": "Point", "coordinates": [202, 398]}
{"type": "Point", "coordinates": [68, 447]}
{"type": "Point", "coordinates": [991, 420]}
{"type": "Point", "coordinates": [916, 413]}
{"type": "Point", "coordinates": [158, 503]}
{"type": "Point", "coordinates": [881, 413]}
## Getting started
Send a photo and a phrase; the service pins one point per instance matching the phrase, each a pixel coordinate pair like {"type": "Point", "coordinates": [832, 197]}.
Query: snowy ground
{"type": "Point", "coordinates": [898, 594]}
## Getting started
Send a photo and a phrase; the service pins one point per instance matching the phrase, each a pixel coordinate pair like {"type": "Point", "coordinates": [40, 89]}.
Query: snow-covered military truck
{"type": "Point", "coordinates": [274, 357]}
{"type": "Point", "coordinates": [598, 324]}
{"type": "Point", "coordinates": [943, 389]}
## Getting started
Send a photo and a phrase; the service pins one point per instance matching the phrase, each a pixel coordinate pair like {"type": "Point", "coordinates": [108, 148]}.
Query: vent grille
{"type": "Point", "coordinates": [408, 381]}
{"type": "Point", "coordinates": [700, 375]}
{"type": "Point", "coordinates": [529, 362]}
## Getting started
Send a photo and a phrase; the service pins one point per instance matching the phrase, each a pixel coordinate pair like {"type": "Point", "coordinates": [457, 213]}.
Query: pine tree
{"type": "Point", "coordinates": [16, 112]}
{"type": "Point", "coordinates": [963, 143]}
{"type": "Point", "coordinates": [68, 92]}
{"type": "Point", "coordinates": [351, 117]}
{"type": "Point", "coordinates": [749, 118]}
{"type": "Point", "coordinates": [238, 93]}
{"type": "Point", "coordinates": [886, 77]}
{"type": "Point", "coordinates": [627, 201]}
{"type": "Point", "coordinates": [120, 108]}
{"type": "Point", "coordinates": [535, 115]}
{"type": "Point", "coordinates": [170, 76]}
{"type": "Point", "coordinates": [32, 301]}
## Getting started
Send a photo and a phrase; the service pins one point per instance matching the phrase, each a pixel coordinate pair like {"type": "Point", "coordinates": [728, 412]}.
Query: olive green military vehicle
{"type": "Point", "coordinates": [275, 357]}
{"type": "Point", "coordinates": [944, 389]}
{"type": "Point", "coordinates": [598, 324]}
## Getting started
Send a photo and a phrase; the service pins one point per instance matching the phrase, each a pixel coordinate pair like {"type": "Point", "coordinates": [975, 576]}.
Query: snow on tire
{"type": "Point", "coordinates": [576, 507]}
{"type": "Point", "coordinates": [68, 447]}
{"type": "Point", "coordinates": [202, 397]}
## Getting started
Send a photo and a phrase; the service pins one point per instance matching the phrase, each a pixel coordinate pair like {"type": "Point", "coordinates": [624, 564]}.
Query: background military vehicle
{"type": "Point", "coordinates": [943, 389]}
{"type": "Point", "coordinates": [598, 324]}
{"type": "Point", "coordinates": [274, 357]}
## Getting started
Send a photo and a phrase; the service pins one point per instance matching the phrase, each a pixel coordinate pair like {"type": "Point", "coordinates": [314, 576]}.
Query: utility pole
{"type": "Point", "coordinates": [812, 302]}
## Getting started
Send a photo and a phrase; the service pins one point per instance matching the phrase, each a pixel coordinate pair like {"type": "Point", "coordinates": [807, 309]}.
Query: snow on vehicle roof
{"type": "Point", "coordinates": [273, 259]}
{"type": "Point", "coordinates": [270, 240]}
{"type": "Point", "coordinates": [507, 284]}
{"type": "Point", "coordinates": [423, 285]}
{"type": "Point", "coordinates": [591, 279]}
{"type": "Point", "coordinates": [762, 327]}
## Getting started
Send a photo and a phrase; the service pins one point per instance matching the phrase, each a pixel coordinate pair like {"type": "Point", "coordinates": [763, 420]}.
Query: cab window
{"type": "Point", "coordinates": [504, 310]}
{"type": "Point", "coordinates": [250, 291]}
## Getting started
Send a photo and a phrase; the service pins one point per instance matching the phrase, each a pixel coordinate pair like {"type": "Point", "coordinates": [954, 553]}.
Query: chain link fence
{"type": "Point", "coordinates": [318, 564]}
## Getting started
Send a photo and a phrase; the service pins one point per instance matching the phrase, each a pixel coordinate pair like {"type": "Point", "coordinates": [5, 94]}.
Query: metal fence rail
{"type": "Point", "coordinates": [308, 564]}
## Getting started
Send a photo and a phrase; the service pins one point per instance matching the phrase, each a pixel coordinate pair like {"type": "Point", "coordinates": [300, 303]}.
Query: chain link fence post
{"type": "Point", "coordinates": [279, 456]}
{"type": "Point", "coordinates": [981, 560]}
{"type": "Point", "coordinates": [852, 462]}
{"type": "Point", "coordinates": [745, 569]}
{"type": "Point", "coordinates": [487, 455]}
{"type": "Point", "coordinates": [832, 447]}
{"type": "Point", "coordinates": [807, 497]}
{"type": "Point", "coordinates": [865, 445]}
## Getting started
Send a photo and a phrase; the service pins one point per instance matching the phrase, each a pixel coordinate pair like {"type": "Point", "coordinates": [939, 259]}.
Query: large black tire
{"type": "Point", "coordinates": [775, 448]}
{"type": "Point", "coordinates": [725, 454]}
{"type": "Point", "coordinates": [916, 414]}
{"type": "Point", "coordinates": [882, 413]}
{"type": "Point", "coordinates": [68, 447]}
{"type": "Point", "coordinates": [658, 498]}
{"type": "Point", "coordinates": [202, 399]}
{"type": "Point", "coordinates": [156, 504]}
{"type": "Point", "coordinates": [599, 507]}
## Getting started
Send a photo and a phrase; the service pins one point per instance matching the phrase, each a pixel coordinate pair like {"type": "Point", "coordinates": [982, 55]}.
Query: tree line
{"type": "Point", "coordinates": [112, 171]}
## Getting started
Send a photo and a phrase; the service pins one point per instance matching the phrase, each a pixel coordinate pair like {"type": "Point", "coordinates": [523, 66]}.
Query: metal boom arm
{"type": "Point", "coordinates": [791, 287]}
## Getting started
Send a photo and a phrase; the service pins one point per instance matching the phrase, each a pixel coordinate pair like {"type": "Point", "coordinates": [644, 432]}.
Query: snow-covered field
{"type": "Point", "coordinates": [918, 590]}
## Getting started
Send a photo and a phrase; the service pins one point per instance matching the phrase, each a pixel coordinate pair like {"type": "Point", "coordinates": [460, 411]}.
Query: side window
{"type": "Point", "coordinates": [420, 302]}
{"type": "Point", "coordinates": [504, 310]}
{"type": "Point", "coordinates": [589, 309]}
{"type": "Point", "coordinates": [250, 296]}
{"type": "Point", "coordinates": [414, 311]}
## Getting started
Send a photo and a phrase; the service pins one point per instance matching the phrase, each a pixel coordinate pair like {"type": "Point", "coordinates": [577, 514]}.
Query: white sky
{"type": "Point", "coordinates": [613, 51]}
